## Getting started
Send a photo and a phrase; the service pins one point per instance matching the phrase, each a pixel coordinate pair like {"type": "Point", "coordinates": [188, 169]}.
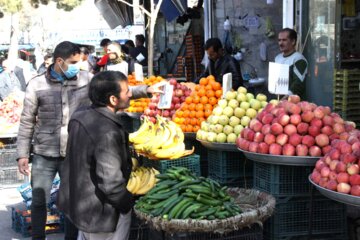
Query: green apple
{"type": "Point", "coordinates": [238, 129]}
{"type": "Point", "coordinates": [222, 103]}
{"type": "Point", "coordinates": [255, 104]}
{"type": "Point", "coordinates": [214, 119]}
{"type": "Point", "coordinates": [230, 95]}
{"type": "Point", "coordinates": [233, 121]}
{"type": "Point", "coordinates": [260, 110]}
{"type": "Point", "coordinates": [263, 104]}
{"type": "Point", "coordinates": [211, 128]}
{"type": "Point", "coordinates": [211, 136]}
{"type": "Point", "coordinates": [204, 136]}
{"type": "Point", "coordinates": [245, 105]}
{"type": "Point", "coordinates": [218, 128]}
{"type": "Point", "coordinates": [245, 121]}
{"type": "Point", "coordinates": [231, 138]}
{"type": "Point", "coordinates": [261, 97]}
{"type": "Point", "coordinates": [221, 137]}
{"type": "Point", "coordinates": [239, 112]}
{"type": "Point", "coordinates": [217, 111]}
{"type": "Point", "coordinates": [205, 126]}
{"type": "Point", "coordinates": [228, 129]}
{"type": "Point", "coordinates": [199, 134]}
{"type": "Point", "coordinates": [241, 97]}
{"type": "Point", "coordinates": [274, 101]}
{"type": "Point", "coordinates": [251, 113]}
{"type": "Point", "coordinates": [224, 120]}
{"type": "Point", "coordinates": [250, 96]}
{"type": "Point", "coordinates": [242, 90]}
{"type": "Point", "coordinates": [228, 111]}
{"type": "Point", "coordinates": [233, 103]}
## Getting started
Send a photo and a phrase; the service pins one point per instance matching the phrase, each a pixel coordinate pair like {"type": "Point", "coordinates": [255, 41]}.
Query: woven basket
{"type": "Point", "coordinates": [256, 206]}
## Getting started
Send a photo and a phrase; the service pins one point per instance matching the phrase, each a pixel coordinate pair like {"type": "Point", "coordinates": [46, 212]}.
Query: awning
{"type": "Point", "coordinates": [171, 9]}
{"type": "Point", "coordinates": [115, 13]}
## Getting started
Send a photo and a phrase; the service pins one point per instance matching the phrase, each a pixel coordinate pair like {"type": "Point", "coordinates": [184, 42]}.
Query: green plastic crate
{"type": "Point", "coordinates": [241, 182]}
{"type": "Point", "coordinates": [201, 151]}
{"type": "Point", "coordinates": [292, 217]}
{"type": "Point", "coordinates": [192, 162]}
{"type": "Point", "coordinates": [282, 180]}
{"type": "Point", "coordinates": [229, 165]}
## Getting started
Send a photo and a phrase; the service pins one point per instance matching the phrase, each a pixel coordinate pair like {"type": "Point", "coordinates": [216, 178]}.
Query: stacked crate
{"type": "Point", "coordinates": [9, 173]}
{"type": "Point", "coordinates": [301, 212]}
{"type": "Point", "coordinates": [346, 99]}
{"type": "Point", "coordinates": [230, 168]}
{"type": "Point", "coordinates": [199, 150]}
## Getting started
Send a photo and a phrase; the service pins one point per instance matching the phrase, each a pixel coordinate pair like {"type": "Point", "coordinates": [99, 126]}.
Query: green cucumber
{"type": "Point", "coordinates": [207, 201]}
{"type": "Point", "coordinates": [167, 207]}
{"type": "Point", "coordinates": [176, 209]}
{"type": "Point", "coordinates": [206, 213]}
{"type": "Point", "coordinates": [186, 213]}
{"type": "Point", "coordinates": [162, 196]}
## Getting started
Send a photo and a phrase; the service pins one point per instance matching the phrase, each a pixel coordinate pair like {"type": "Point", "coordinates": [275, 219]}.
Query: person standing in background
{"type": "Point", "coordinates": [85, 63]}
{"type": "Point", "coordinates": [104, 59]}
{"type": "Point", "coordinates": [8, 80]}
{"type": "Point", "coordinates": [47, 62]}
{"type": "Point", "coordinates": [139, 52]}
{"type": "Point", "coordinates": [298, 65]}
{"type": "Point", "coordinates": [116, 60]}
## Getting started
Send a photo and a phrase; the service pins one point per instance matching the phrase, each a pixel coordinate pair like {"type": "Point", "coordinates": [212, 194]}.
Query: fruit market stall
{"type": "Point", "coordinates": [285, 141]}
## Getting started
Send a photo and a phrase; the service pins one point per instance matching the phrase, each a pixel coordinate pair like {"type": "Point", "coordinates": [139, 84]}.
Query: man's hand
{"type": "Point", "coordinates": [23, 165]}
{"type": "Point", "coordinates": [156, 88]}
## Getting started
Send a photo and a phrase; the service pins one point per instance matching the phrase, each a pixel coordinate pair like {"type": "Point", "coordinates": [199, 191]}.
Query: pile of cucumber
{"type": "Point", "coordinates": [181, 195]}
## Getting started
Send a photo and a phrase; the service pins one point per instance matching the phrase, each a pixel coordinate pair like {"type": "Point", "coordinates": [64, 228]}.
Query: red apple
{"type": "Point", "coordinates": [290, 129]}
{"type": "Point", "coordinates": [282, 139]}
{"type": "Point", "coordinates": [325, 171]}
{"type": "Point", "coordinates": [308, 140]}
{"type": "Point", "coordinates": [320, 164]}
{"type": "Point", "coordinates": [322, 140]}
{"type": "Point", "coordinates": [253, 147]}
{"type": "Point", "coordinates": [302, 128]}
{"type": "Point", "coordinates": [295, 139]}
{"type": "Point", "coordinates": [295, 119]}
{"type": "Point", "coordinates": [328, 120]}
{"type": "Point", "coordinates": [284, 119]}
{"type": "Point", "coordinates": [173, 81]}
{"type": "Point", "coordinates": [355, 190]}
{"type": "Point", "coordinates": [325, 150]}
{"type": "Point", "coordinates": [348, 158]}
{"type": "Point", "coordinates": [333, 164]}
{"type": "Point", "coordinates": [315, 176]}
{"type": "Point", "coordinates": [258, 137]}
{"type": "Point", "coordinates": [288, 150]}
{"type": "Point", "coordinates": [332, 185]}
{"type": "Point", "coordinates": [275, 149]}
{"type": "Point", "coordinates": [307, 116]}
{"type": "Point", "coordinates": [353, 169]}
{"type": "Point", "coordinates": [266, 129]}
{"type": "Point", "coordinates": [345, 148]}
{"type": "Point", "coordinates": [267, 118]}
{"type": "Point", "coordinates": [316, 122]}
{"type": "Point", "coordinates": [294, 98]}
{"type": "Point", "coordinates": [302, 150]}
{"type": "Point", "coordinates": [263, 148]}
{"type": "Point", "coordinates": [314, 131]}
{"type": "Point", "coordinates": [323, 182]}
{"type": "Point", "coordinates": [315, 151]}
{"type": "Point", "coordinates": [340, 167]}
{"type": "Point", "coordinates": [305, 106]}
{"type": "Point", "coordinates": [276, 129]}
{"type": "Point", "coordinates": [354, 179]}
{"type": "Point", "coordinates": [269, 138]}
{"type": "Point", "coordinates": [319, 112]}
{"type": "Point", "coordinates": [344, 188]}
{"type": "Point", "coordinates": [243, 144]}
{"type": "Point", "coordinates": [327, 130]}
{"type": "Point", "coordinates": [338, 128]}
{"type": "Point", "coordinates": [294, 109]}
{"type": "Point", "coordinates": [344, 136]}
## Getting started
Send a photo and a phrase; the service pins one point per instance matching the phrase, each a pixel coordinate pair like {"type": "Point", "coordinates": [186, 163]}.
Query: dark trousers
{"type": "Point", "coordinates": [43, 171]}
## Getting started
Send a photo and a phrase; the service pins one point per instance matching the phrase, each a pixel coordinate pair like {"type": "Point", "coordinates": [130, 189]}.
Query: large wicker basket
{"type": "Point", "coordinates": [257, 207]}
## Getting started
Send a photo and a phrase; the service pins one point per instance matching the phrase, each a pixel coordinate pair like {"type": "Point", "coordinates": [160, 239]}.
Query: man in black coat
{"type": "Point", "coordinates": [221, 63]}
{"type": "Point", "coordinates": [97, 167]}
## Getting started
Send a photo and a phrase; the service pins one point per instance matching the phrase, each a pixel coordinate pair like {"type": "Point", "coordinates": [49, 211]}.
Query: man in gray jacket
{"type": "Point", "coordinates": [50, 100]}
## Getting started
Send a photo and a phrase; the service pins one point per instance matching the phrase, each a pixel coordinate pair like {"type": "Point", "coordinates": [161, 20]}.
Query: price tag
{"type": "Point", "coordinates": [166, 97]}
{"type": "Point", "coordinates": [227, 83]}
{"type": "Point", "coordinates": [139, 74]}
{"type": "Point", "coordinates": [278, 78]}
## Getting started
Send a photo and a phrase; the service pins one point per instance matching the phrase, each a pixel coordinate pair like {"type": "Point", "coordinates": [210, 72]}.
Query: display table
{"type": "Point", "coordinates": [219, 146]}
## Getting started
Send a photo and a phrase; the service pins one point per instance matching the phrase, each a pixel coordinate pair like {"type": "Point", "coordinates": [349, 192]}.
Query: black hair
{"type": "Point", "coordinates": [130, 43]}
{"type": "Point", "coordinates": [140, 38]}
{"type": "Point", "coordinates": [47, 56]}
{"type": "Point", "coordinates": [84, 50]}
{"type": "Point", "coordinates": [65, 50]}
{"type": "Point", "coordinates": [104, 42]}
{"type": "Point", "coordinates": [291, 32]}
{"type": "Point", "coordinates": [103, 85]}
{"type": "Point", "coordinates": [215, 43]}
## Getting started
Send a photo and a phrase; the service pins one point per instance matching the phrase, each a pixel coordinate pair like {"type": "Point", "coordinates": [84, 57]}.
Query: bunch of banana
{"type": "Point", "coordinates": [163, 140]}
{"type": "Point", "coordinates": [142, 180]}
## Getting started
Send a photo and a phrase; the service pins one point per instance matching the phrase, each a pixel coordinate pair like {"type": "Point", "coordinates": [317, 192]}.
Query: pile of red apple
{"type": "Point", "coordinates": [338, 170]}
{"type": "Point", "coordinates": [11, 108]}
{"type": "Point", "coordinates": [293, 128]}
{"type": "Point", "coordinates": [179, 94]}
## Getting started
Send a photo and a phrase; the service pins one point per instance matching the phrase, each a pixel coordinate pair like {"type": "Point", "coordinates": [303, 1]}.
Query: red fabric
{"type": "Point", "coordinates": [103, 60]}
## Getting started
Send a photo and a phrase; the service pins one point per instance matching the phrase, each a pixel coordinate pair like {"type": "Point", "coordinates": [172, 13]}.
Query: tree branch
{"type": "Point", "coordinates": [141, 7]}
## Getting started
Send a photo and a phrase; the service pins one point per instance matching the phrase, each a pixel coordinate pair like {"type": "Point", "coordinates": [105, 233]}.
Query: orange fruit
{"type": "Point", "coordinates": [192, 106]}
{"type": "Point", "coordinates": [183, 127]}
{"type": "Point", "coordinates": [213, 100]}
{"type": "Point", "coordinates": [188, 128]}
{"type": "Point", "coordinates": [200, 120]}
{"type": "Point", "coordinates": [211, 78]}
{"type": "Point", "coordinates": [179, 113]}
{"type": "Point", "coordinates": [199, 107]}
{"type": "Point", "coordinates": [208, 106]}
{"type": "Point", "coordinates": [216, 86]}
{"type": "Point", "coordinates": [193, 121]}
{"type": "Point", "coordinates": [188, 100]}
{"type": "Point", "coordinates": [196, 128]}
{"type": "Point", "coordinates": [204, 100]}
{"type": "Point", "coordinates": [208, 87]}
{"type": "Point", "coordinates": [218, 93]}
{"type": "Point", "coordinates": [187, 120]}
{"type": "Point", "coordinates": [196, 99]}
{"type": "Point", "coordinates": [192, 114]}
{"type": "Point", "coordinates": [199, 114]}
{"type": "Point", "coordinates": [186, 113]}
{"type": "Point", "coordinates": [204, 81]}
{"type": "Point", "coordinates": [210, 93]}
{"type": "Point", "coordinates": [197, 87]}
{"type": "Point", "coordinates": [207, 112]}
{"type": "Point", "coordinates": [201, 92]}
{"type": "Point", "coordinates": [184, 106]}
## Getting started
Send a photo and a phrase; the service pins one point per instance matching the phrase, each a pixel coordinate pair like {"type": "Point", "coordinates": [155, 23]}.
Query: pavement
{"type": "Point", "coordinates": [10, 197]}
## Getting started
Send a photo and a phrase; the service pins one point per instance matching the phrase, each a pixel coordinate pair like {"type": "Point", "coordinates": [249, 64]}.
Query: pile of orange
{"type": "Point", "coordinates": [148, 81]}
{"type": "Point", "coordinates": [138, 105]}
{"type": "Point", "coordinates": [199, 105]}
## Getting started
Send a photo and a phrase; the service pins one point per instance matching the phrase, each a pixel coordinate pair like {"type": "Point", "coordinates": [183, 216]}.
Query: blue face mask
{"type": "Point", "coordinates": [71, 72]}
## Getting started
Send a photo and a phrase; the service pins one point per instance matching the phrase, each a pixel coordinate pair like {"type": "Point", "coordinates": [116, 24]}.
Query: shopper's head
{"type": "Point", "coordinates": [66, 55]}
{"type": "Point", "coordinates": [110, 89]}
{"type": "Point", "coordinates": [114, 51]}
{"type": "Point", "coordinates": [139, 40]}
{"type": "Point", "coordinates": [214, 48]}
{"type": "Point", "coordinates": [287, 41]}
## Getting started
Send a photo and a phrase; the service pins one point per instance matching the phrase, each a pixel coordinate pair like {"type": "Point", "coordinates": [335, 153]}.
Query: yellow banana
{"type": "Point", "coordinates": [184, 153]}
{"type": "Point", "coordinates": [137, 184]}
{"type": "Point", "coordinates": [143, 128]}
{"type": "Point", "coordinates": [131, 183]}
{"type": "Point", "coordinates": [148, 183]}
{"type": "Point", "coordinates": [169, 152]}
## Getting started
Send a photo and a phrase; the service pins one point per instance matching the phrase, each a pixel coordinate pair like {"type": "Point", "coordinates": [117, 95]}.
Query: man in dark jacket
{"type": "Point", "coordinates": [97, 166]}
{"type": "Point", "coordinates": [221, 63]}
{"type": "Point", "coordinates": [139, 52]}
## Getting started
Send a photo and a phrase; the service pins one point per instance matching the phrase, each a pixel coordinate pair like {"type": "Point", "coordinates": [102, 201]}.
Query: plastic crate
{"type": "Point", "coordinates": [201, 151]}
{"type": "Point", "coordinates": [8, 156]}
{"type": "Point", "coordinates": [192, 162]}
{"type": "Point", "coordinates": [281, 180]}
{"type": "Point", "coordinates": [253, 233]}
{"type": "Point", "coordinates": [10, 175]}
{"type": "Point", "coordinates": [139, 230]}
{"type": "Point", "coordinates": [241, 182]}
{"type": "Point", "coordinates": [229, 165]}
{"type": "Point", "coordinates": [291, 218]}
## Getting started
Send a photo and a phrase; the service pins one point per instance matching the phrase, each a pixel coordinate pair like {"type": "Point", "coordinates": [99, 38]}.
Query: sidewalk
{"type": "Point", "coordinates": [10, 197]}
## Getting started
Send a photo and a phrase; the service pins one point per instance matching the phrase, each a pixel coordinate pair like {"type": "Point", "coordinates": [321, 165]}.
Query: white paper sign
{"type": "Point", "coordinates": [278, 78]}
{"type": "Point", "coordinates": [140, 57]}
{"type": "Point", "coordinates": [139, 74]}
{"type": "Point", "coordinates": [166, 97]}
{"type": "Point", "coordinates": [227, 83]}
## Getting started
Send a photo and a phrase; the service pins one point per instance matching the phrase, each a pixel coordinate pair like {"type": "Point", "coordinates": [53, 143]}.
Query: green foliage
{"type": "Point", "coordinates": [11, 6]}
